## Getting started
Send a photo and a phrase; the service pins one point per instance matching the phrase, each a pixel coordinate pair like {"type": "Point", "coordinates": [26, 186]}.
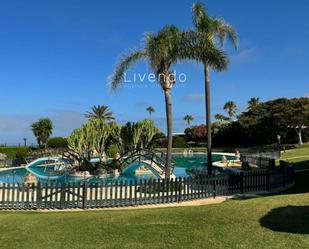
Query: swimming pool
{"type": "Point", "coordinates": [184, 166]}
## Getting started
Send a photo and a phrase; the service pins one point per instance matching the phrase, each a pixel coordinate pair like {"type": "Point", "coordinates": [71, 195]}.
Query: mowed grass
{"type": "Point", "coordinates": [299, 156]}
{"type": "Point", "coordinates": [275, 221]}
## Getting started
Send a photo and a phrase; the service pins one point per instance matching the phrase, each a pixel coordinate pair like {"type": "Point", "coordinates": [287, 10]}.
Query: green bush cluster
{"type": "Point", "coordinates": [113, 150]}
{"type": "Point", "coordinates": [15, 152]}
{"type": "Point", "coordinates": [179, 142]}
{"type": "Point", "coordinates": [57, 143]}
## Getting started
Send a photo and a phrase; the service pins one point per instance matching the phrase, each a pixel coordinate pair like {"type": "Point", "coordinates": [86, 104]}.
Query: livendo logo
{"type": "Point", "coordinates": [134, 77]}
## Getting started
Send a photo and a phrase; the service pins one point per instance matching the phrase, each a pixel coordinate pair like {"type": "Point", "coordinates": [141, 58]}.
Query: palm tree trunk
{"type": "Point", "coordinates": [300, 141]}
{"type": "Point", "coordinates": [208, 118]}
{"type": "Point", "coordinates": [169, 118]}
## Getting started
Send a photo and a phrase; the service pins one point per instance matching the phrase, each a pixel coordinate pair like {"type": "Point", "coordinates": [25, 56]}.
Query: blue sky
{"type": "Point", "coordinates": [56, 56]}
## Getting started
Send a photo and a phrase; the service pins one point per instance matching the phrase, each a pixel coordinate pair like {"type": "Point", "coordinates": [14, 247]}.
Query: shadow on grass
{"type": "Point", "coordinates": [301, 184]}
{"type": "Point", "coordinates": [301, 165]}
{"type": "Point", "coordinates": [289, 219]}
{"type": "Point", "coordinates": [245, 197]}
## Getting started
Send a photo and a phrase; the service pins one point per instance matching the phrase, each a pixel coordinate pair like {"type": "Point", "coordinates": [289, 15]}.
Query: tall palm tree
{"type": "Point", "coordinates": [230, 107]}
{"type": "Point", "coordinates": [150, 110]}
{"type": "Point", "coordinates": [188, 119]}
{"type": "Point", "coordinates": [161, 51]}
{"type": "Point", "coordinates": [101, 112]}
{"type": "Point", "coordinates": [253, 103]}
{"type": "Point", "coordinates": [211, 30]}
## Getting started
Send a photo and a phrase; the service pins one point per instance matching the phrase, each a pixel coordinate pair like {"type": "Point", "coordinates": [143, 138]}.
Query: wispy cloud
{"type": "Point", "coordinates": [14, 127]}
{"type": "Point", "coordinates": [194, 97]}
{"type": "Point", "coordinates": [243, 55]}
{"type": "Point", "coordinates": [142, 104]}
{"type": "Point", "coordinates": [306, 95]}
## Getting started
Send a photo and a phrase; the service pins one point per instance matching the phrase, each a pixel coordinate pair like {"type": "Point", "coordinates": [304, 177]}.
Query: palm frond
{"type": "Point", "coordinates": [126, 61]}
{"type": "Point", "coordinates": [198, 46]}
{"type": "Point", "coordinates": [225, 31]}
{"type": "Point", "coordinates": [198, 14]}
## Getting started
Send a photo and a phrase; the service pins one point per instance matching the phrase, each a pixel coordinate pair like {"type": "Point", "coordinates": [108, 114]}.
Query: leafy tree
{"type": "Point", "coordinates": [253, 103]}
{"type": "Point", "coordinates": [57, 143]}
{"type": "Point", "coordinates": [230, 107]}
{"type": "Point", "coordinates": [42, 130]}
{"type": "Point", "coordinates": [101, 112]}
{"type": "Point", "coordinates": [150, 110]}
{"type": "Point", "coordinates": [278, 116]}
{"type": "Point", "coordinates": [299, 116]}
{"type": "Point", "coordinates": [188, 119]}
{"type": "Point", "coordinates": [196, 133]}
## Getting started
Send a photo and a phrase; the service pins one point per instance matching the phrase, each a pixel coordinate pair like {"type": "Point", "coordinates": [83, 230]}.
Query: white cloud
{"type": "Point", "coordinates": [194, 97]}
{"type": "Point", "coordinates": [306, 95]}
{"type": "Point", "coordinates": [243, 55]}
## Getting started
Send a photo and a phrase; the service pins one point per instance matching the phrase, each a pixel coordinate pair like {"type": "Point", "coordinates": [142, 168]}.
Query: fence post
{"type": "Point", "coordinates": [38, 196]}
{"type": "Point", "coordinates": [241, 182]}
{"type": "Point", "coordinates": [84, 205]}
{"type": "Point", "coordinates": [214, 186]}
{"type": "Point", "coordinates": [268, 179]}
{"type": "Point", "coordinates": [62, 195]}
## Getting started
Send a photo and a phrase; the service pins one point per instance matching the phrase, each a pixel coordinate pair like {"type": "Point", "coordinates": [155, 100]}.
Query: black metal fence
{"type": "Point", "coordinates": [260, 162]}
{"type": "Point", "coordinates": [144, 192]}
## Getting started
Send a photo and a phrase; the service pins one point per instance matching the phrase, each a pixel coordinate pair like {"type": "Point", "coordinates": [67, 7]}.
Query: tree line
{"type": "Point", "coordinates": [280, 120]}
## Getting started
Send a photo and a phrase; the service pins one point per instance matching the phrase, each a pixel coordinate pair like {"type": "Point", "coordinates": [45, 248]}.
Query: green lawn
{"type": "Point", "coordinates": [273, 221]}
{"type": "Point", "coordinates": [299, 156]}
{"type": "Point", "coordinates": [276, 221]}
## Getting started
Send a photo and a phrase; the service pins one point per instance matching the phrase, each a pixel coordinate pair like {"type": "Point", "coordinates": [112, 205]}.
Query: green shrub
{"type": "Point", "coordinates": [113, 150]}
{"type": "Point", "coordinates": [57, 143]}
{"type": "Point", "coordinates": [179, 142]}
{"type": "Point", "coordinates": [15, 152]}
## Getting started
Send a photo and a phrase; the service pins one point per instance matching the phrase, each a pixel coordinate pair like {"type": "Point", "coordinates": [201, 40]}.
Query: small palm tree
{"type": "Point", "coordinates": [150, 110]}
{"type": "Point", "coordinates": [221, 118]}
{"type": "Point", "coordinates": [230, 107]}
{"type": "Point", "coordinates": [188, 119]}
{"type": "Point", "coordinates": [101, 112]}
{"type": "Point", "coordinates": [253, 103]}
{"type": "Point", "coordinates": [42, 130]}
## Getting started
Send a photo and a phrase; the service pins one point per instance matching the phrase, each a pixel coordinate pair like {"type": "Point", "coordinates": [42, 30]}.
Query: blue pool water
{"type": "Point", "coordinates": [183, 168]}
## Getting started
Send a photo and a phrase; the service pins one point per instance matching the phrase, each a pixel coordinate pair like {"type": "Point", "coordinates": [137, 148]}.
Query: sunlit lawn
{"type": "Point", "coordinates": [278, 221]}
{"type": "Point", "coordinates": [274, 221]}
{"type": "Point", "coordinates": [299, 156]}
